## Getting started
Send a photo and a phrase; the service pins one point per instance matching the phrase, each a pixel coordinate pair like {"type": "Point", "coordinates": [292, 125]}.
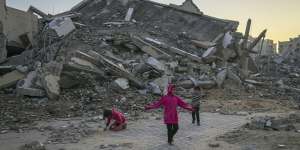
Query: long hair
{"type": "Point", "coordinates": [107, 113]}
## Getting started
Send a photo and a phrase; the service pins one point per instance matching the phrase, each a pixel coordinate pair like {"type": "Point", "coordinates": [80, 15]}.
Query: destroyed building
{"type": "Point", "coordinates": [143, 42]}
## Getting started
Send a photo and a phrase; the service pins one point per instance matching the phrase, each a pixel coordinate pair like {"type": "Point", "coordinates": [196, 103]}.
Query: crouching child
{"type": "Point", "coordinates": [118, 118]}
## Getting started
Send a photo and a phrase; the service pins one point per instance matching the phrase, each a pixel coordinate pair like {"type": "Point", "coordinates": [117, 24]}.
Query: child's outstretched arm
{"type": "Point", "coordinates": [154, 105]}
{"type": "Point", "coordinates": [184, 105]}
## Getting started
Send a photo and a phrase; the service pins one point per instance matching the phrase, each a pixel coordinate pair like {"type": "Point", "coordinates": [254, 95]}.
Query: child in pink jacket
{"type": "Point", "coordinates": [170, 103]}
{"type": "Point", "coordinates": [119, 120]}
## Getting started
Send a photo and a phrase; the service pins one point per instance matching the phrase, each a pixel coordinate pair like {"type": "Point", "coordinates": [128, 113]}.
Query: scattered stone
{"type": "Point", "coordinates": [214, 145]}
{"type": "Point", "coordinates": [33, 146]}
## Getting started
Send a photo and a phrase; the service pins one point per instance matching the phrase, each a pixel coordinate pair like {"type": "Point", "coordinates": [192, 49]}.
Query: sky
{"type": "Point", "coordinates": [280, 17]}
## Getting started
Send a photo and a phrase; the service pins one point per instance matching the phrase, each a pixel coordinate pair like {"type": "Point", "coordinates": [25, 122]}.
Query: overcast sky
{"type": "Point", "coordinates": [280, 17]}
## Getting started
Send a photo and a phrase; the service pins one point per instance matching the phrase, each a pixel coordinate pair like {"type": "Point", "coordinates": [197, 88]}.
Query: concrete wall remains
{"type": "Point", "coordinates": [17, 22]}
{"type": "Point", "coordinates": [188, 5]}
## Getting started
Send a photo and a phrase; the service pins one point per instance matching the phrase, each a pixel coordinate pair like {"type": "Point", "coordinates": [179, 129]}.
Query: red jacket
{"type": "Point", "coordinates": [170, 103]}
{"type": "Point", "coordinates": [117, 116]}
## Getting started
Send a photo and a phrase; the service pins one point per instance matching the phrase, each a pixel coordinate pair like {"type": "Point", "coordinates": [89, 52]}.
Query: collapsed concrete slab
{"type": "Point", "coordinates": [10, 79]}
{"type": "Point", "coordinates": [62, 25]}
{"type": "Point", "coordinates": [98, 59]}
{"type": "Point", "coordinates": [149, 48]}
{"type": "Point", "coordinates": [204, 44]}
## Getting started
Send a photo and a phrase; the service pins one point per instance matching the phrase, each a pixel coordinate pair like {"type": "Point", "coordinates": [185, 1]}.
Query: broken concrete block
{"type": "Point", "coordinates": [254, 82]}
{"type": "Point", "coordinates": [153, 41]}
{"type": "Point", "coordinates": [22, 91]}
{"type": "Point", "coordinates": [24, 87]}
{"type": "Point", "coordinates": [23, 69]}
{"type": "Point", "coordinates": [154, 88]}
{"type": "Point", "coordinates": [63, 26]}
{"type": "Point", "coordinates": [129, 14]}
{"type": "Point", "coordinates": [116, 69]}
{"type": "Point", "coordinates": [163, 83]}
{"type": "Point", "coordinates": [220, 78]}
{"type": "Point", "coordinates": [204, 44]}
{"type": "Point", "coordinates": [10, 79]}
{"type": "Point", "coordinates": [85, 64]}
{"type": "Point", "coordinates": [208, 84]}
{"type": "Point", "coordinates": [156, 64]}
{"type": "Point", "coordinates": [6, 69]}
{"type": "Point", "coordinates": [209, 52]}
{"type": "Point", "coordinates": [194, 81]}
{"type": "Point", "coordinates": [122, 83]}
{"type": "Point", "coordinates": [227, 40]}
{"type": "Point", "coordinates": [51, 85]}
{"type": "Point", "coordinates": [184, 53]}
{"type": "Point", "coordinates": [3, 51]}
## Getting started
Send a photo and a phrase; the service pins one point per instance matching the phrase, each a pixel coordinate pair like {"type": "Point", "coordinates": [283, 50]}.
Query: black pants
{"type": "Point", "coordinates": [172, 130]}
{"type": "Point", "coordinates": [195, 115]}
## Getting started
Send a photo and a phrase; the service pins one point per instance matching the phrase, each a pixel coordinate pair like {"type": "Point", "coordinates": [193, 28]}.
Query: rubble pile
{"type": "Point", "coordinates": [287, 123]}
{"type": "Point", "coordinates": [105, 53]}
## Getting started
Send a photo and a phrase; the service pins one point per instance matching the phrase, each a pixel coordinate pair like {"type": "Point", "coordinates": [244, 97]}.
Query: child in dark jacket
{"type": "Point", "coordinates": [170, 103]}
{"type": "Point", "coordinates": [196, 105]}
{"type": "Point", "coordinates": [119, 120]}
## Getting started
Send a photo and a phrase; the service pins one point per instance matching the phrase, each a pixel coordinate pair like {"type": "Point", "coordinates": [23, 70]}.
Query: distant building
{"type": "Point", "coordinates": [290, 50]}
{"type": "Point", "coordinates": [291, 45]}
{"type": "Point", "coordinates": [188, 5]}
{"type": "Point", "coordinates": [264, 48]}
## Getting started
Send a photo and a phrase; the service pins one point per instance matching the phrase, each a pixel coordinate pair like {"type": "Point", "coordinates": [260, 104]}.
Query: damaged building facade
{"type": "Point", "coordinates": [18, 26]}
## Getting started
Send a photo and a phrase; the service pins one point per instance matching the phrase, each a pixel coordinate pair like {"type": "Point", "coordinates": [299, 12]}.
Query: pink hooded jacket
{"type": "Point", "coordinates": [117, 116]}
{"type": "Point", "coordinates": [170, 103]}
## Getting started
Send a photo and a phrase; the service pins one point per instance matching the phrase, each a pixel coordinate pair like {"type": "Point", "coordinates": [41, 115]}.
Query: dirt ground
{"type": "Point", "coordinates": [223, 118]}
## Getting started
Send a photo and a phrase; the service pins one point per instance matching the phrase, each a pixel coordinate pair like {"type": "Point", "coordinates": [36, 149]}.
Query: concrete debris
{"type": "Point", "coordinates": [25, 87]}
{"type": "Point", "coordinates": [51, 85]}
{"type": "Point", "coordinates": [129, 14]}
{"type": "Point", "coordinates": [204, 44]}
{"type": "Point", "coordinates": [227, 40]}
{"type": "Point", "coordinates": [36, 145]}
{"type": "Point", "coordinates": [10, 79]}
{"type": "Point", "coordinates": [63, 26]}
{"type": "Point", "coordinates": [122, 83]}
{"type": "Point", "coordinates": [163, 83]}
{"type": "Point", "coordinates": [221, 76]}
{"type": "Point", "coordinates": [156, 64]}
{"type": "Point", "coordinates": [186, 54]}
